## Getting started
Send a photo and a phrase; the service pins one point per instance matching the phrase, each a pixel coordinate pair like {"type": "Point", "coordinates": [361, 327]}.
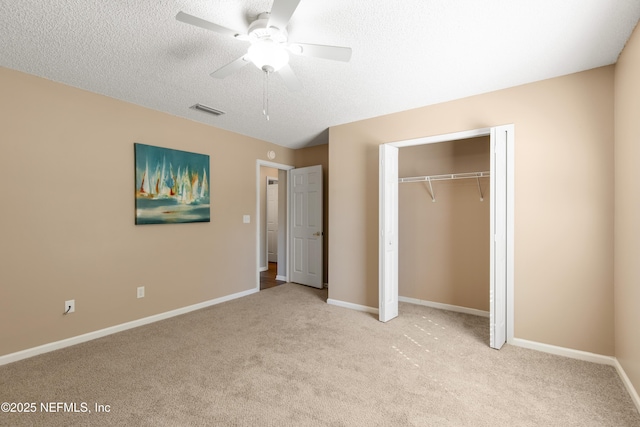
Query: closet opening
{"type": "Point", "coordinates": [444, 225]}
{"type": "Point", "coordinates": [452, 287]}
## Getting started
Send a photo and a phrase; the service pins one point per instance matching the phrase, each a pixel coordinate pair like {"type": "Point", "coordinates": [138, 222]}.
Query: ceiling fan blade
{"type": "Point", "coordinates": [281, 12]}
{"type": "Point", "coordinates": [230, 68]}
{"type": "Point", "coordinates": [335, 53]}
{"type": "Point", "coordinates": [290, 79]}
{"type": "Point", "coordinates": [199, 22]}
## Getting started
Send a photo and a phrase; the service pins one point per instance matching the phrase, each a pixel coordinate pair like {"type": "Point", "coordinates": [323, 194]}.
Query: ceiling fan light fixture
{"type": "Point", "coordinates": [268, 55]}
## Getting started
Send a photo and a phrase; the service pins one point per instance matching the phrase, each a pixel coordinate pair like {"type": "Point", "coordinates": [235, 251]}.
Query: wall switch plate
{"type": "Point", "coordinates": [140, 292]}
{"type": "Point", "coordinates": [246, 219]}
{"type": "Point", "coordinates": [69, 306]}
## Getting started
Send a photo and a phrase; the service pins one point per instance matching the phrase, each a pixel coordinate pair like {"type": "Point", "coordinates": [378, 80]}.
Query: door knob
{"type": "Point", "coordinates": [317, 234]}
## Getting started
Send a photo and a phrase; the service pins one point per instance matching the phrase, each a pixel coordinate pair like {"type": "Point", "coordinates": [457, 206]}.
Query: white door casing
{"type": "Point", "coordinates": [306, 226]}
{"type": "Point", "coordinates": [388, 236]}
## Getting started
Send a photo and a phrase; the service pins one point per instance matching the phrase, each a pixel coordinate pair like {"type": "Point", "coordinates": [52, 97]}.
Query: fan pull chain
{"type": "Point", "coordinates": [265, 96]}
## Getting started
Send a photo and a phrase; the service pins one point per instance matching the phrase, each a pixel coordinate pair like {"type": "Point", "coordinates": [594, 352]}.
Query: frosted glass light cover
{"type": "Point", "coordinates": [269, 54]}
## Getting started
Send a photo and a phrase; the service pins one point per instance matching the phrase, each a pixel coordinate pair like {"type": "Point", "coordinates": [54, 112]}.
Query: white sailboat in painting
{"type": "Point", "coordinates": [161, 186]}
{"type": "Point", "coordinates": [194, 187]}
{"type": "Point", "coordinates": [185, 187]}
{"type": "Point", "coordinates": [203, 186]}
{"type": "Point", "coordinates": [145, 189]}
{"type": "Point", "coordinates": [172, 181]}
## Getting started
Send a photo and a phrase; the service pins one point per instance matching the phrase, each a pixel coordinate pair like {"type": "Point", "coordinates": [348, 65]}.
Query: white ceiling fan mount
{"type": "Point", "coordinates": [260, 29]}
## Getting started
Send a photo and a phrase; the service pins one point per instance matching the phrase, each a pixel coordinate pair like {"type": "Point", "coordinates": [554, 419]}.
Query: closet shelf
{"type": "Point", "coordinates": [431, 178]}
{"type": "Point", "coordinates": [444, 177]}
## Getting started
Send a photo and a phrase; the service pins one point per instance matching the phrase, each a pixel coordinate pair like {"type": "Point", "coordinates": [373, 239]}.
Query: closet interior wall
{"type": "Point", "coordinates": [444, 244]}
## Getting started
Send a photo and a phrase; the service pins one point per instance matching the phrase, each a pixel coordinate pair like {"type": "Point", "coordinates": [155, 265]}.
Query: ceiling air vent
{"type": "Point", "coordinates": [206, 109]}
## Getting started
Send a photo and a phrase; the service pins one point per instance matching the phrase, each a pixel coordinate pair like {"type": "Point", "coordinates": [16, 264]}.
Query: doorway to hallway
{"type": "Point", "coordinates": [268, 277]}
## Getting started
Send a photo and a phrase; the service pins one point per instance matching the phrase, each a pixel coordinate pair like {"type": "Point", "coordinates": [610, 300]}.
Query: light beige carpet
{"type": "Point", "coordinates": [283, 357]}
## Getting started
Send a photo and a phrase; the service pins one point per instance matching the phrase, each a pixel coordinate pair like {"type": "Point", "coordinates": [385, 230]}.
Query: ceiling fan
{"type": "Point", "coordinates": [270, 45]}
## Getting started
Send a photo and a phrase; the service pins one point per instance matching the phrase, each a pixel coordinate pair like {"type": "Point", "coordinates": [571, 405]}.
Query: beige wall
{"type": "Point", "coordinates": [627, 208]}
{"type": "Point", "coordinates": [67, 214]}
{"type": "Point", "coordinates": [563, 201]}
{"type": "Point", "coordinates": [311, 156]}
{"type": "Point", "coordinates": [444, 245]}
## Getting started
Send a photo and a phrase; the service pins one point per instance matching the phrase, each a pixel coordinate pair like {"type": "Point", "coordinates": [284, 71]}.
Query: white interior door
{"type": "Point", "coordinates": [272, 219]}
{"type": "Point", "coordinates": [306, 226]}
{"type": "Point", "coordinates": [388, 247]}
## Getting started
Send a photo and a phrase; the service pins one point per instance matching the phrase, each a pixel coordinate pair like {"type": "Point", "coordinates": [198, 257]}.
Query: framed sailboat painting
{"type": "Point", "coordinates": [172, 186]}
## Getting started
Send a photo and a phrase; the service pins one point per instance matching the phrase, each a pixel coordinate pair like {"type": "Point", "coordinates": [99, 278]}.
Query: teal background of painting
{"type": "Point", "coordinates": [152, 156]}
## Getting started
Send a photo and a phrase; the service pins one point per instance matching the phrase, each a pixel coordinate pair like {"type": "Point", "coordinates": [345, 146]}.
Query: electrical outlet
{"type": "Point", "coordinates": [69, 306]}
{"type": "Point", "coordinates": [140, 291]}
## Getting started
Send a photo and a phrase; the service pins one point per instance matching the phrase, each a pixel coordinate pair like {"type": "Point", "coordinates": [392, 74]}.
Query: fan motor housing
{"type": "Point", "coordinates": [259, 30]}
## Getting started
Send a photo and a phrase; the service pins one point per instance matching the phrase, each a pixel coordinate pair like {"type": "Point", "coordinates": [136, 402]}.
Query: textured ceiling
{"type": "Point", "coordinates": [406, 54]}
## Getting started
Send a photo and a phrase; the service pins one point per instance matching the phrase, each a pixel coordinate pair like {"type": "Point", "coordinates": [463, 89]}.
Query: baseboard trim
{"type": "Point", "coordinates": [352, 306]}
{"type": "Point", "coordinates": [627, 384]}
{"type": "Point", "coordinates": [283, 278]}
{"type": "Point", "coordinates": [261, 269]}
{"type": "Point", "coordinates": [46, 348]}
{"type": "Point", "coordinates": [437, 305]}
{"type": "Point", "coordinates": [441, 306]}
{"type": "Point", "coordinates": [563, 351]}
{"type": "Point", "coordinates": [586, 356]}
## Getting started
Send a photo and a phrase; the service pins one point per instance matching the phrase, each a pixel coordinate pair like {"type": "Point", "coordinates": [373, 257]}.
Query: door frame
{"type": "Point", "coordinates": [259, 220]}
{"type": "Point", "coordinates": [509, 217]}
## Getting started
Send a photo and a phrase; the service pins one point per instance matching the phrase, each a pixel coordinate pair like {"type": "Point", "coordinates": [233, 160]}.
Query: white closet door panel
{"type": "Point", "coordinates": [498, 298]}
{"type": "Point", "coordinates": [388, 251]}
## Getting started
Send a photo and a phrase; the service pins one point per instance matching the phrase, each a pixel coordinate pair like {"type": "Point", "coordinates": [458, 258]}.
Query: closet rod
{"type": "Point", "coordinates": [444, 177]}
